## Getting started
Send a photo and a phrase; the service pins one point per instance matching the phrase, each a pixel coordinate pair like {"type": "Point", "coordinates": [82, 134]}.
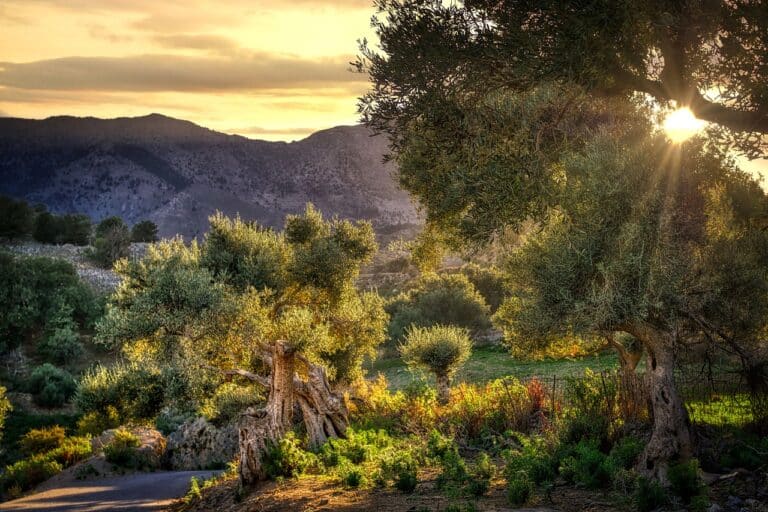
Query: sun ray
{"type": "Point", "coordinates": [681, 125]}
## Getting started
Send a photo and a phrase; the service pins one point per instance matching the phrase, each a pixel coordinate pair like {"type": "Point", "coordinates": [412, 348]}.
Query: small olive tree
{"type": "Point", "coordinates": [439, 349]}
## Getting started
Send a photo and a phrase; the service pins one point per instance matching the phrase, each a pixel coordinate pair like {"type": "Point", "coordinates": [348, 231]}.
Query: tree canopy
{"type": "Point", "coordinates": [710, 56]}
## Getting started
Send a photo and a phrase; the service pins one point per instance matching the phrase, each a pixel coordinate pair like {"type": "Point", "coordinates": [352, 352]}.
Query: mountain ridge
{"type": "Point", "coordinates": [177, 173]}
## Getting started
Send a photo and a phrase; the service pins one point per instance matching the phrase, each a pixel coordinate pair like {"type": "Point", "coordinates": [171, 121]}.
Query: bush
{"type": "Point", "coordinates": [286, 458]}
{"type": "Point", "coordinates": [685, 480]}
{"type": "Point", "coordinates": [121, 451]}
{"type": "Point", "coordinates": [36, 290]}
{"type": "Point", "coordinates": [228, 401]}
{"type": "Point", "coordinates": [74, 229]}
{"type": "Point", "coordinates": [16, 218]}
{"type": "Point", "coordinates": [111, 242]}
{"type": "Point", "coordinates": [401, 468]}
{"type": "Point", "coordinates": [650, 495]}
{"type": "Point", "coordinates": [519, 488]}
{"type": "Point", "coordinates": [72, 450]}
{"type": "Point", "coordinates": [480, 475]}
{"type": "Point", "coordinates": [534, 457]}
{"type": "Point", "coordinates": [448, 299]}
{"type": "Point", "coordinates": [136, 393]}
{"type": "Point", "coordinates": [626, 451]}
{"type": "Point", "coordinates": [5, 408]}
{"type": "Point", "coordinates": [51, 386]}
{"type": "Point", "coordinates": [489, 283]}
{"type": "Point", "coordinates": [353, 477]}
{"type": "Point", "coordinates": [144, 231]}
{"type": "Point", "coordinates": [42, 440]}
{"type": "Point", "coordinates": [170, 419]}
{"type": "Point", "coordinates": [587, 467]}
{"type": "Point", "coordinates": [94, 422]}
{"type": "Point", "coordinates": [27, 473]}
{"type": "Point", "coordinates": [438, 349]}
{"type": "Point", "coordinates": [46, 228]}
{"type": "Point", "coordinates": [61, 346]}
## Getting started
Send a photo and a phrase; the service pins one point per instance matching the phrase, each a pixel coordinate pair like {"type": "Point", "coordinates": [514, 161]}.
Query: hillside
{"type": "Point", "coordinates": [177, 173]}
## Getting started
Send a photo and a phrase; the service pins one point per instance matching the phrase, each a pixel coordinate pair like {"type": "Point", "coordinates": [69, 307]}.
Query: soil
{"type": "Point", "coordinates": [324, 494]}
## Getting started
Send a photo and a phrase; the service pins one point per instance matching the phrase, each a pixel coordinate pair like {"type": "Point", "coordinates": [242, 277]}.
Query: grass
{"type": "Point", "coordinates": [722, 410]}
{"type": "Point", "coordinates": [493, 362]}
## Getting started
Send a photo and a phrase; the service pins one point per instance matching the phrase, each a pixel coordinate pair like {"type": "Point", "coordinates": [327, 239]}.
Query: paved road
{"type": "Point", "coordinates": [140, 492]}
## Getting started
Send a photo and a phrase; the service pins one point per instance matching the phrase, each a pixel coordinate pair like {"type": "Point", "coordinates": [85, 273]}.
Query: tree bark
{"type": "Point", "coordinates": [259, 428]}
{"type": "Point", "coordinates": [324, 411]}
{"type": "Point", "coordinates": [443, 388]}
{"type": "Point", "coordinates": [671, 437]}
{"type": "Point", "coordinates": [628, 359]}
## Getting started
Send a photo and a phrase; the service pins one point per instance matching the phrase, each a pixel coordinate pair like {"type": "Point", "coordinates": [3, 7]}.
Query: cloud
{"type": "Point", "coordinates": [209, 42]}
{"type": "Point", "coordinates": [260, 130]}
{"type": "Point", "coordinates": [179, 73]}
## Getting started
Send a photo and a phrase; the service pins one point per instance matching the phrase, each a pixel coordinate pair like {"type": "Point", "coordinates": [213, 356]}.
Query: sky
{"type": "Point", "coordinates": [267, 69]}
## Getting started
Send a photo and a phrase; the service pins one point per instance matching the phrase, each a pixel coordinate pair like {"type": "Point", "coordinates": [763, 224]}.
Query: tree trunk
{"type": "Point", "coordinates": [262, 427]}
{"type": "Point", "coordinates": [443, 388]}
{"type": "Point", "coordinates": [671, 438]}
{"type": "Point", "coordinates": [324, 411]}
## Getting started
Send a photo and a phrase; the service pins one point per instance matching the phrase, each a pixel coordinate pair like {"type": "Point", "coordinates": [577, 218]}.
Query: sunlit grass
{"type": "Point", "coordinates": [722, 410]}
{"type": "Point", "coordinates": [493, 362]}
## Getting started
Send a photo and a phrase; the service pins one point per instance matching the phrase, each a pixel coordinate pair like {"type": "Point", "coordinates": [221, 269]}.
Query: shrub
{"type": "Point", "coordinates": [16, 218]}
{"type": "Point", "coordinates": [94, 423]}
{"type": "Point", "coordinates": [480, 475]}
{"type": "Point", "coordinates": [51, 386]}
{"type": "Point", "coordinates": [685, 480]}
{"type": "Point", "coordinates": [286, 458]}
{"type": "Point", "coordinates": [46, 228]}
{"type": "Point", "coordinates": [438, 349]}
{"type": "Point", "coordinates": [228, 401]}
{"type": "Point", "coordinates": [448, 299]}
{"type": "Point", "coordinates": [489, 283]}
{"type": "Point", "coordinates": [61, 346]}
{"type": "Point", "coordinates": [534, 457]}
{"type": "Point", "coordinates": [169, 420]}
{"type": "Point", "coordinates": [144, 231]}
{"type": "Point", "coordinates": [650, 495]}
{"type": "Point", "coordinates": [401, 468]}
{"type": "Point", "coordinates": [72, 450]}
{"type": "Point", "coordinates": [112, 241]}
{"type": "Point", "coordinates": [353, 477]}
{"type": "Point", "coordinates": [5, 408]}
{"type": "Point", "coordinates": [136, 393]}
{"type": "Point", "coordinates": [42, 440]}
{"type": "Point", "coordinates": [121, 451]}
{"type": "Point", "coordinates": [626, 451]}
{"type": "Point", "coordinates": [588, 467]}
{"type": "Point", "coordinates": [453, 474]}
{"type": "Point", "coordinates": [519, 488]}
{"type": "Point", "coordinates": [74, 229]}
{"type": "Point", "coordinates": [27, 473]}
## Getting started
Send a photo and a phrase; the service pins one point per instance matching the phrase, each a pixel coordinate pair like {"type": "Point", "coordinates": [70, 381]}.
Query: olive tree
{"type": "Point", "coordinates": [441, 350]}
{"type": "Point", "coordinates": [279, 309]}
{"type": "Point", "coordinates": [708, 56]}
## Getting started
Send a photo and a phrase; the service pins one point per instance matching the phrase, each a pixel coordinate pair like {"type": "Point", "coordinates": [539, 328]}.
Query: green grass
{"type": "Point", "coordinates": [489, 363]}
{"type": "Point", "coordinates": [723, 410]}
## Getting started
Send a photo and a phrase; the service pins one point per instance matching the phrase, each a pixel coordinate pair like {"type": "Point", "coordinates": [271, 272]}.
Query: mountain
{"type": "Point", "coordinates": [177, 173]}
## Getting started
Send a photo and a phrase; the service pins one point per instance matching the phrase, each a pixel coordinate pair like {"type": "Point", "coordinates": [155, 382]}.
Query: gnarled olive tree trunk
{"type": "Point", "coordinates": [443, 388]}
{"type": "Point", "coordinates": [259, 428]}
{"type": "Point", "coordinates": [671, 438]}
{"type": "Point", "coordinates": [324, 411]}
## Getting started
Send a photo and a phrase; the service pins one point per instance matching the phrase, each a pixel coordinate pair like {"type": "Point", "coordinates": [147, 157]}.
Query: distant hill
{"type": "Point", "coordinates": [177, 173]}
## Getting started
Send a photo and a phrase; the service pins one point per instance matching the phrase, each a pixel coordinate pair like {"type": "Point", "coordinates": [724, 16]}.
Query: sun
{"type": "Point", "coordinates": [681, 125]}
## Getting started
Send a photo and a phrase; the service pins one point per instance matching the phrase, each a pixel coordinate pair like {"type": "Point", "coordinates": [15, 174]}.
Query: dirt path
{"type": "Point", "coordinates": [138, 492]}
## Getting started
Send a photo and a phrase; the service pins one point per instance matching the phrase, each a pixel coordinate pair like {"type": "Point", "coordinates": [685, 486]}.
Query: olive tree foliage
{"type": "Point", "coordinates": [708, 55]}
{"type": "Point", "coordinates": [276, 308]}
{"type": "Point", "coordinates": [441, 350]}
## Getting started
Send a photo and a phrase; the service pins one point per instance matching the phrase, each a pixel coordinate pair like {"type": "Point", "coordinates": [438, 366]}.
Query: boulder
{"type": "Point", "coordinates": [197, 444]}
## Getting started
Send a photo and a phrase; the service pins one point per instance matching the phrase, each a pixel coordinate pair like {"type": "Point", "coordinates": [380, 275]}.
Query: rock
{"type": "Point", "coordinates": [198, 444]}
{"type": "Point", "coordinates": [715, 508]}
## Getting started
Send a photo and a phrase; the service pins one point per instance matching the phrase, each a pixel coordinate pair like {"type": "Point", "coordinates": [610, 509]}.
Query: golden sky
{"type": "Point", "coordinates": [267, 69]}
